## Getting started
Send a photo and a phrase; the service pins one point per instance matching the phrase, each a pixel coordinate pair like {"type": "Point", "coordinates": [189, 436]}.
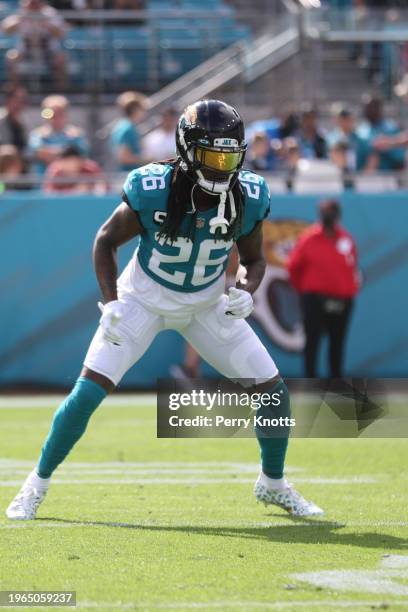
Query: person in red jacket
{"type": "Point", "coordinates": [323, 269]}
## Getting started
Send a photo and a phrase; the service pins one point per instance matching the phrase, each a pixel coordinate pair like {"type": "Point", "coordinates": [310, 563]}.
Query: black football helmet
{"type": "Point", "coordinates": [210, 139]}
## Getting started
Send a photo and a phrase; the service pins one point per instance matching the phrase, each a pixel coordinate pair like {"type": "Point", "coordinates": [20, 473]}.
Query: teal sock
{"type": "Point", "coordinates": [273, 442]}
{"type": "Point", "coordinates": [69, 423]}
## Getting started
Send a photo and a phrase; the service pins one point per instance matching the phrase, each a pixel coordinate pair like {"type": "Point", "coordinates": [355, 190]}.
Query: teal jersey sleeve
{"type": "Point", "coordinates": [146, 191]}
{"type": "Point", "coordinates": [257, 200]}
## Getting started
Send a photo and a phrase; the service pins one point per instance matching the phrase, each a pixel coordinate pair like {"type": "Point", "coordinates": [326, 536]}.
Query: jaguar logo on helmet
{"type": "Point", "coordinates": [190, 115]}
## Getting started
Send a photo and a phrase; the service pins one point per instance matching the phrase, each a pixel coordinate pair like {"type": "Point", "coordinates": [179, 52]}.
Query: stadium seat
{"type": "Point", "coordinates": [130, 54]}
{"type": "Point", "coordinates": [89, 58]}
{"type": "Point", "coordinates": [375, 183]}
{"type": "Point", "coordinates": [277, 185]}
{"type": "Point", "coordinates": [181, 50]}
{"type": "Point", "coordinates": [317, 176]}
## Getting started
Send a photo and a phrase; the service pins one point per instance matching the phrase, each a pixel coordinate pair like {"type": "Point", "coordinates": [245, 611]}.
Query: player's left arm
{"type": "Point", "coordinates": [251, 256]}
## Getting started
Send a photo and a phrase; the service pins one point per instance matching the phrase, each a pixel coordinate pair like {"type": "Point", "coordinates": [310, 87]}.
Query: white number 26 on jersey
{"type": "Point", "coordinates": [250, 182]}
{"type": "Point", "coordinates": [182, 254]}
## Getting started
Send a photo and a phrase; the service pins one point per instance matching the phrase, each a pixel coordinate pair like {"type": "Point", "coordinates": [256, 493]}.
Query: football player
{"type": "Point", "coordinates": [188, 212]}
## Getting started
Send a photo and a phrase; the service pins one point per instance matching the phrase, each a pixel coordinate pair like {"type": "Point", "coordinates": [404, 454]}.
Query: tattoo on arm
{"type": "Point", "coordinates": [121, 227]}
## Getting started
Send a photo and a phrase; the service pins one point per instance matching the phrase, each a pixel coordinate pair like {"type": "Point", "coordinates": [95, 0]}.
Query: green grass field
{"type": "Point", "coordinates": [133, 522]}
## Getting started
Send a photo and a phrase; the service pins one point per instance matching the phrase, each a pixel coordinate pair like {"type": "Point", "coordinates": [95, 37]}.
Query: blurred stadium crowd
{"type": "Point", "coordinates": [301, 142]}
{"type": "Point", "coordinates": [58, 152]}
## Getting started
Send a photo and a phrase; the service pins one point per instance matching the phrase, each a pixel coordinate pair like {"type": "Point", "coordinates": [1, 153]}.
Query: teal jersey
{"type": "Point", "coordinates": [126, 133]}
{"type": "Point", "coordinates": [41, 137]}
{"type": "Point", "coordinates": [186, 265]}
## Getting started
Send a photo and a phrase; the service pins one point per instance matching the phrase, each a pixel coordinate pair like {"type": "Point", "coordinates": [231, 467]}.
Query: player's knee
{"type": "Point", "coordinates": [97, 378]}
{"type": "Point", "coordinates": [84, 398]}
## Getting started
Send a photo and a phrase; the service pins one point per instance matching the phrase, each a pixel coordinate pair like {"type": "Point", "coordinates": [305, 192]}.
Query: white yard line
{"type": "Point", "coordinates": [188, 481]}
{"type": "Point", "coordinates": [178, 473]}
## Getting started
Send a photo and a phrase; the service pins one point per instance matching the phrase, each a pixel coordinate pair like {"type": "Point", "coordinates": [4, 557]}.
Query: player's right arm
{"type": "Point", "coordinates": [121, 227]}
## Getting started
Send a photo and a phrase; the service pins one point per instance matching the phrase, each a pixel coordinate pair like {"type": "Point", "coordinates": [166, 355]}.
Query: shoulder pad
{"type": "Point", "coordinates": [257, 199]}
{"type": "Point", "coordinates": [150, 182]}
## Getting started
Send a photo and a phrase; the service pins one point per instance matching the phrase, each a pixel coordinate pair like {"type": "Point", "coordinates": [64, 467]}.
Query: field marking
{"type": "Point", "coordinates": [394, 561]}
{"type": "Point", "coordinates": [366, 581]}
{"type": "Point", "coordinates": [44, 524]}
{"type": "Point", "coordinates": [139, 400]}
{"type": "Point", "coordinates": [380, 580]}
{"type": "Point", "coordinates": [224, 605]}
{"type": "Point", "coordinates": [216, 465]}
{"type": "Point", "coordinates": [189, 481]}
{"type": "Point", "coordinates": [168, 473]}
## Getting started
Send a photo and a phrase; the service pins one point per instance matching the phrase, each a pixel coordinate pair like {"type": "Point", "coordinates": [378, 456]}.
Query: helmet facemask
{"type": "Point", "coordinates": [214, 167]}
{"type": "Point", "coordinates": [217, 166]}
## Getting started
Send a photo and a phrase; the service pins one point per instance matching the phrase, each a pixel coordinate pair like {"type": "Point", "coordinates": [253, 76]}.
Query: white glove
{"type": "Point", "coordinates": [240, 304]}
{"type": "Point", "coordinates": [112, 313]}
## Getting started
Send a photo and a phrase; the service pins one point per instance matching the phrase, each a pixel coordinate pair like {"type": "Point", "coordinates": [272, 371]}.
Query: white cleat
{"type": "Point", "coordinates": [25, 504]}
{"type": "Point", "coordinates": [287, 498]}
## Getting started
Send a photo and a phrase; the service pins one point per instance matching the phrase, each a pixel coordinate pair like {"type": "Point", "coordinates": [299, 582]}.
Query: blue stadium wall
{"type": "Point", "coordinates": [48, 306]}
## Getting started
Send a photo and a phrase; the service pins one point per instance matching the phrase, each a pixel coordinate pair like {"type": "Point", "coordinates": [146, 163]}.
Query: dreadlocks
{"type": "Point", "coordinates": [179, 206]}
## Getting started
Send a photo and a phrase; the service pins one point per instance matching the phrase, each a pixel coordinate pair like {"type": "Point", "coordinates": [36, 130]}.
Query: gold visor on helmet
{"type": "Point", "coordinates": [222, 161]}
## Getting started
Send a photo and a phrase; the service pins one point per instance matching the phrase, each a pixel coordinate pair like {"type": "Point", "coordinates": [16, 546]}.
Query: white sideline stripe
{"type": "Point", "coordinates": [189, 481]}
{"type": "Point", "coordinates": [52, 401]}
{"type": "Point", "coordinates": [216, 465]}
{"type": "Point", "coordinates": [39, 524]}
{"type": "Point", "coordinates": [277, 605]}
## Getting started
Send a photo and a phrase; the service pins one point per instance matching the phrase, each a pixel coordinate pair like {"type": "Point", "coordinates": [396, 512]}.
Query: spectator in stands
{"type": "Point", "coordinates": [387, 143]}
{"type": "Point", "coordinates": [12, 129]}
{"type": "Point", "coordinates": [11, 167]}
{"type": "Point", "coordinates": [344, 158]}
{"type": "Point", "coordinates": [323, 269]}
{"type": "Point", "coordinates": [291, 152]}
{"type": "Point", "coordinates": [72, 172]}
{"type": "Point", "coordinates": [259, 157]}
{"type": "Point", "coordinates": [311, 142]}
{"type": "Point", "coordinates": [47, 142]}
{"type": "Point", "coordinates": [289, 125]}
{"type": "Point", "coordinates": [40, 30]}
{"type": "Point", "coordinates": [159, 144]}
{"type": "Point", "coordinates": [344, 138]}
{"type": "Point", "coordinates": [339, 155]}
{"type": "Point", "coordinates": [126, 141]}
{"type": "Point", "coordinates": [373, 126]}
